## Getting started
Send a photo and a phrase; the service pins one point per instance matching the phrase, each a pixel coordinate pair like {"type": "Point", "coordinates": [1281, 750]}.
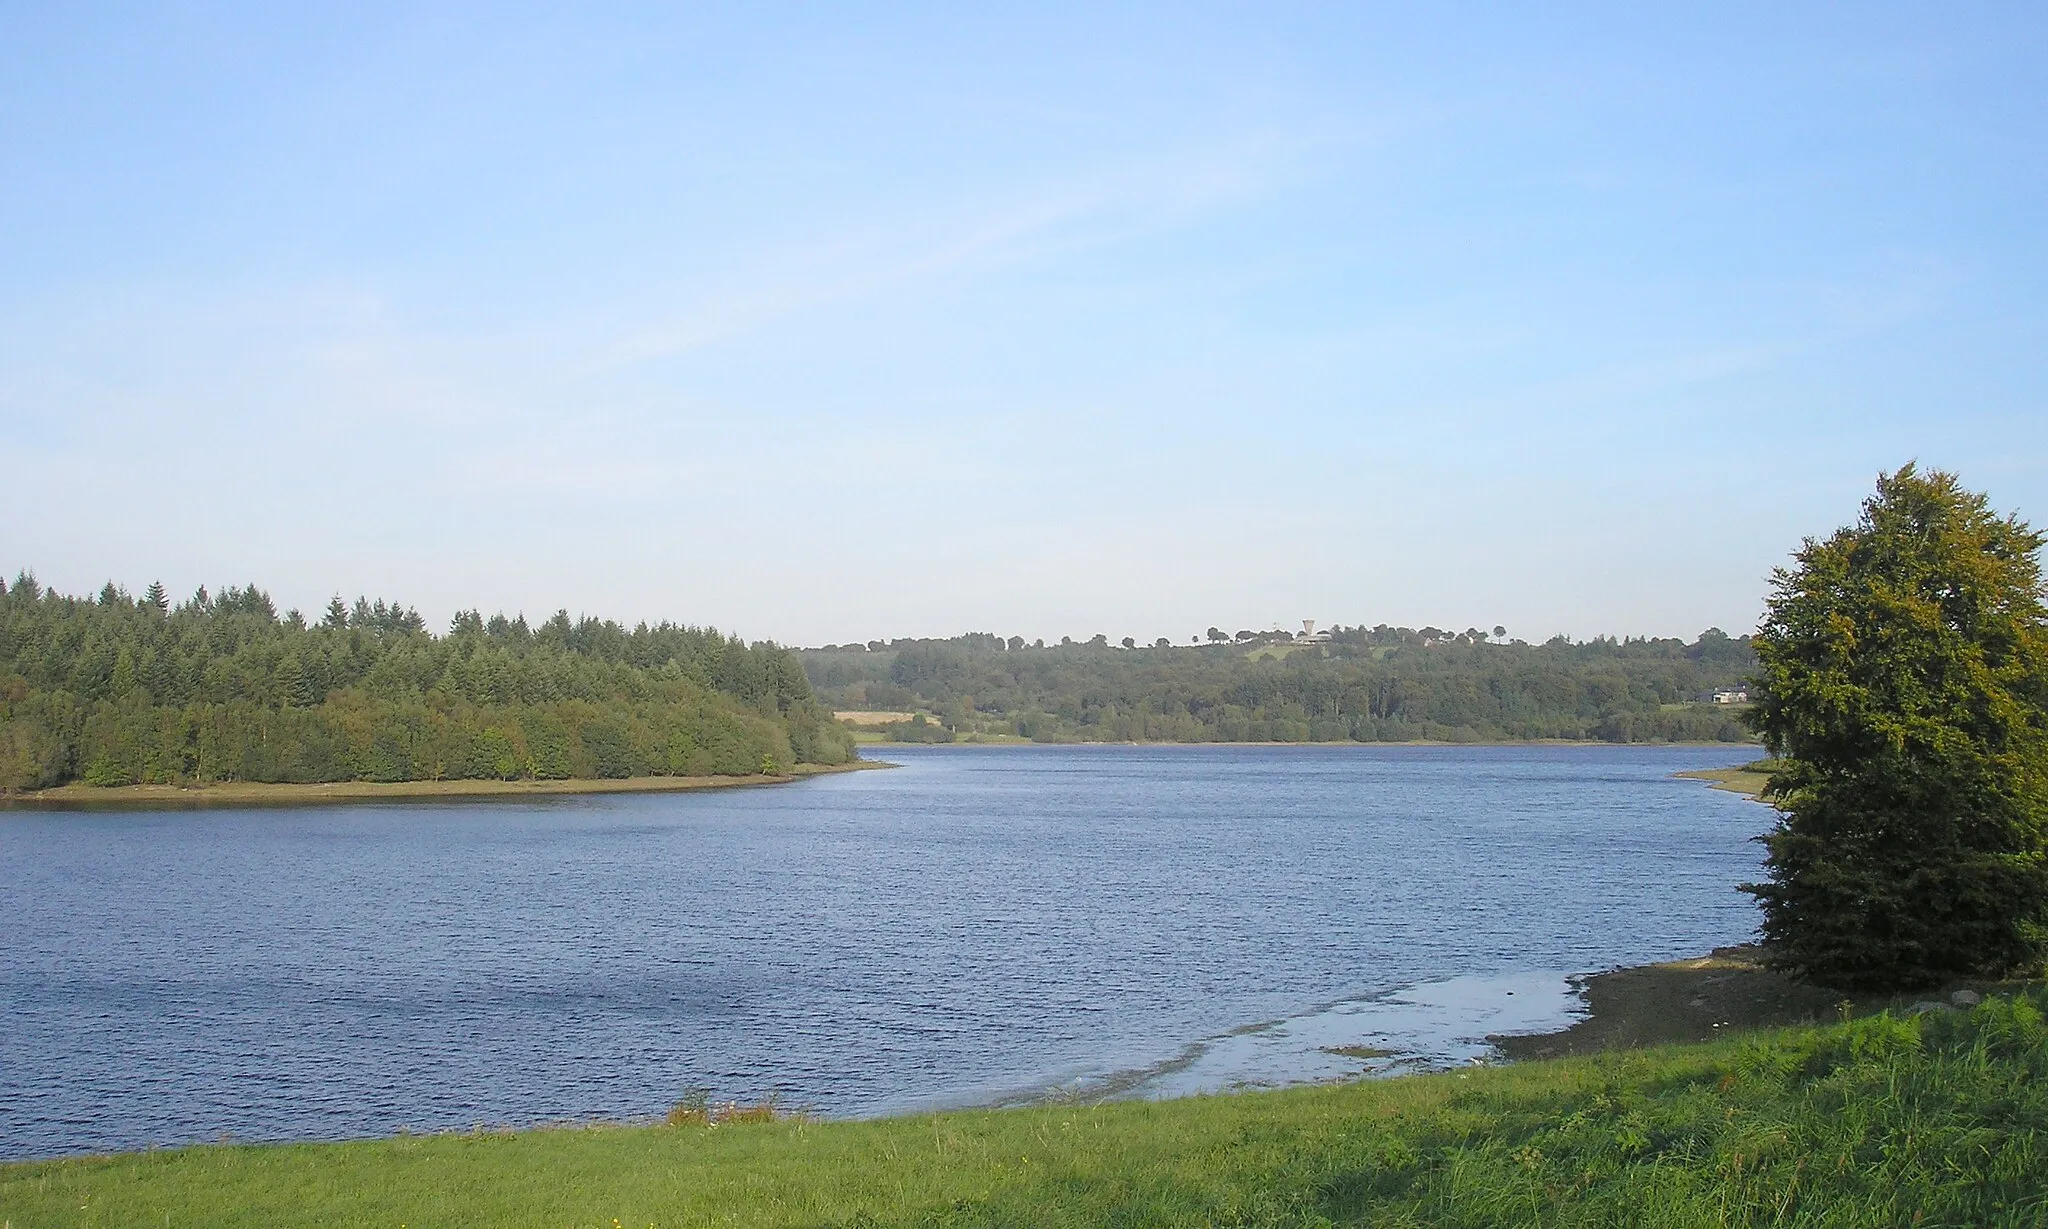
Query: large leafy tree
{"type": "Point", "coordinates": [1903, 684]}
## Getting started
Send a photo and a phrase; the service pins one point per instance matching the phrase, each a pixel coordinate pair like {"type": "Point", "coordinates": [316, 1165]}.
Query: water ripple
{"type": "Point", "coordinates": [977, 925]}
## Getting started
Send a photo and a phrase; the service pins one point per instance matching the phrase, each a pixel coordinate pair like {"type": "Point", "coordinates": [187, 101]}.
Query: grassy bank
{"type": "Point", "coordinates": [263, 793]}
{"type": "Point", "coordinates": [1937, 1119]}
{"type": "Point", "coordinates": [1742, 779]}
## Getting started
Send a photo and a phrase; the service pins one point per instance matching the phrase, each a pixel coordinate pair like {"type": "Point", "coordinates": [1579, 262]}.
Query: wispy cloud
{"type": "Point", "coordinates": [1082, 213]}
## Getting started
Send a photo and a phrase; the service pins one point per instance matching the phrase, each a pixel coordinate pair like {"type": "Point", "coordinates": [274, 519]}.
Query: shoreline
{"type": "Point", "coordinates": [80, 796]}
{"type": "Point", "coordinates": [1940, 1124]}
{"type": "Point", "coordinates": [1691, 1001]}
{"type": "Point", "coordinates": [1011, 741]}
{"type": "Point", "coordinates": [1678, 1001]}
{"type": "Point", "coordinates": [1730, 990]}
{"type": "Point", "coordinates": [1745, 779]}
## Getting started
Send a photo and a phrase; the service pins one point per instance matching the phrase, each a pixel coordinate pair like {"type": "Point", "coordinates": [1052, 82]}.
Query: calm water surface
{"type": "Point", "coordinates": [978, 925]}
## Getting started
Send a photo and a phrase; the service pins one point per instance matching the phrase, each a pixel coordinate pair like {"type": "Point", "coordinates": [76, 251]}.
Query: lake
{"type": "Point", "coordinates": [981, 925]}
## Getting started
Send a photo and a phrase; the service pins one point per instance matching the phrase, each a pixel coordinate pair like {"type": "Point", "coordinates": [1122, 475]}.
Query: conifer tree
{"type": "Point", "coordinates": [221, 689]}
{"type": "Point", "coordinates": [301, 692]}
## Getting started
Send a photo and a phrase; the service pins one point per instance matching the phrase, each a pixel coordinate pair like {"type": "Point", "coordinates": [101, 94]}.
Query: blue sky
{"type": "Point", "coordinates": [837, 322]}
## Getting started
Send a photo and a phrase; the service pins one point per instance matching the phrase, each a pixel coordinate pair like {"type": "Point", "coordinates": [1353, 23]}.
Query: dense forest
{"type": "Point", "coordinates": [1377, 684]}
{"type": "Point", "coordinates": [117, 689]}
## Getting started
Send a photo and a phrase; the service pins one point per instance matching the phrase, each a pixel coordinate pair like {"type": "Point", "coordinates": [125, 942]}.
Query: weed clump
{"type": "Point", "coordinates": [697, 1109]}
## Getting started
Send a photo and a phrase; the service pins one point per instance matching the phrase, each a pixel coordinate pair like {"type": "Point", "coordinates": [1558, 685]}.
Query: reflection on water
{"type": "Point", "coordinates": [979, 925]}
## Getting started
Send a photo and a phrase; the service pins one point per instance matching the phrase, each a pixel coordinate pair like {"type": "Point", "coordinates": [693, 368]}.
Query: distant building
{"type": "Point", "coordinates": [1730, 695]}
{"type": "Point", "coordinates": [1309, 634]}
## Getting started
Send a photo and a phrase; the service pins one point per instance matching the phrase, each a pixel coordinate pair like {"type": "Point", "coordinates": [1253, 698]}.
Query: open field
{"type": "Point", "coordinates": [262, 793]}
{"type": "Point", "coordinates": [1936, 1119]}
{"type": "Point", "coordinates": [1272, 652]}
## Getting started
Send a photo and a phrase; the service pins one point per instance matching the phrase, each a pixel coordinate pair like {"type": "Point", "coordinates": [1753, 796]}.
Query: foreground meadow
{"type": "Point", "coordinates": [1940, 1119]}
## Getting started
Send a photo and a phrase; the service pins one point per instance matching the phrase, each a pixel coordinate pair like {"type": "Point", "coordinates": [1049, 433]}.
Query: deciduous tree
{"type": "Point", "coordinates": [1903, 683]}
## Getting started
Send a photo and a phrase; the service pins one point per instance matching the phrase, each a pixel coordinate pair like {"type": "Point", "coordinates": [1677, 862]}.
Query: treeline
{"type": "Point", "coordinates": [1378, 684]}
{"type": "Point", "coordinates": [117, 690]}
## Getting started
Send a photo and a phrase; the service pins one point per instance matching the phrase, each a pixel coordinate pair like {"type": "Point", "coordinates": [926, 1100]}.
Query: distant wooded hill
{"type": "Point", "coordinates": [117, 689]}
{"type": "Point", "coordinates": [1378, 684]}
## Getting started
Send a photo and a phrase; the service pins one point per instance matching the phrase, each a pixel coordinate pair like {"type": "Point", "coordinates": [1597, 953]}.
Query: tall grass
{"type": "Point", "coordinates": [1934, 1120]}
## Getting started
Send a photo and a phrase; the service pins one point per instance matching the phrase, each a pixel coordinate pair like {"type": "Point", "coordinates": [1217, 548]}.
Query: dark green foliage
{"type": "Point", "coordinates": [917, 730]}
{"type": "Point", "coordinates": [1367, 684]}
{"type": "Point", "coordinates": [1904, 687]}
{"type": "Point", "coordinates": [115, 691]}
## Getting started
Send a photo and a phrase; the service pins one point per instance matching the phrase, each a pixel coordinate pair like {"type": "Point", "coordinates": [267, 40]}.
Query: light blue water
{"type": "Point", "coordinates": [973, 926]}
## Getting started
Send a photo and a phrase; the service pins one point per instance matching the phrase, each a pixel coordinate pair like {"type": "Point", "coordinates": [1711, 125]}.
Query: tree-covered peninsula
{"type": "Point", "coordinates": [1365, 684]}
{"type": "Point", "coordinates": [118, 690]}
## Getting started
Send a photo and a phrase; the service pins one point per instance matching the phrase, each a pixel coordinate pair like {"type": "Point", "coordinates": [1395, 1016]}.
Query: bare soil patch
{"type": "Point", "coordinates": [1684, 1000]}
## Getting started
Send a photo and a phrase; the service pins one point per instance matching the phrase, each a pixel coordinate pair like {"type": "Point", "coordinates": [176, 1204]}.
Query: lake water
{"type": "Point", "coordinates": [981, 925]}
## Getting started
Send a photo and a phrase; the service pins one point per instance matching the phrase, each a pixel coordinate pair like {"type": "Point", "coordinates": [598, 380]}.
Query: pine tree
{"type": "Point", "coordinates": [1904, 684]}
{"type": "Point", "coordinates": [123, 679]}
{"type": "Point", "coordinates": [157, 597]}
{"type": "Point", "coordinates": [295, 683]}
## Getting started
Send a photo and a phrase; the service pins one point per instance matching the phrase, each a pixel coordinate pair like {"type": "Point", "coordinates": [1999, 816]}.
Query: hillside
{"type": "Point", "coordinates": [118, 690]}
{"type": "Point", "coordinates": [1379, 684]}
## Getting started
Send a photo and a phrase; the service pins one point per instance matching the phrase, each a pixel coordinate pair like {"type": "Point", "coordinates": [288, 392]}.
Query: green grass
{"type": "Point", "coordinates": [1747, 778]}
{"type": "Point", "coordinates": [1272, 652]}
{"type": "Point", "coordinates": [1941, 1120]}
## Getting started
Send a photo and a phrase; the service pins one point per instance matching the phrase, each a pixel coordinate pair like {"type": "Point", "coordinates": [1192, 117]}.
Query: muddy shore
{"type": "Point", "coordinates": [263, 793]}
{"type": "Point", "coordinates": [1713, 996]}
{"type": "Point", "coordinates": [1681, 1000]}
{"type": "Point", "coordinates": [1728, 990]}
